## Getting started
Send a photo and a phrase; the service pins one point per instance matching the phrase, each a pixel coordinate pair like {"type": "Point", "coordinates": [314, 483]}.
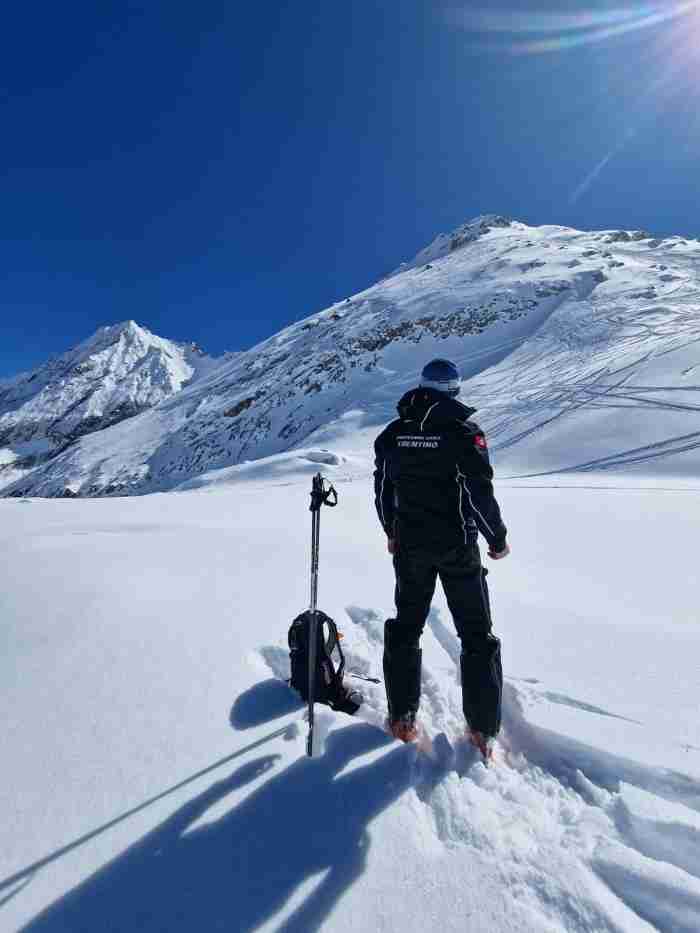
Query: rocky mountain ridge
{"type": "Point", "coordinates": [119, 372]}
{"type": "Point", "coordinates": [550, 326]}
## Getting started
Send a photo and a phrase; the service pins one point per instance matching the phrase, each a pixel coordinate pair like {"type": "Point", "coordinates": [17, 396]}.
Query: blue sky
{"type": "Point", "coordinates": [217, 170]}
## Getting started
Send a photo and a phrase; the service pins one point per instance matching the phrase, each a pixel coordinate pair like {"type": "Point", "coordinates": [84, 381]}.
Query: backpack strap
{"type": "Point", "coordinates": [340, 697]}
{"type": "Point", "coordinates": [333, 642]}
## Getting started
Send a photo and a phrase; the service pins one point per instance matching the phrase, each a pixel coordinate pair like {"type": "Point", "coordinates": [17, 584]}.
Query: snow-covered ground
{"type": "Point", "coordinates": [154, 776]}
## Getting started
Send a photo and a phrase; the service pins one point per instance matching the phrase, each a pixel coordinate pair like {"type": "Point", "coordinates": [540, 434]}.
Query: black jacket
{"type": "Point", "coordinates": [432, 480]}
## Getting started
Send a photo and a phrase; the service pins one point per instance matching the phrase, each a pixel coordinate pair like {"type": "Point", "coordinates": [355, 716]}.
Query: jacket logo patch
{"type": "Point", "coordinates": [480, 441]}
{"type": "Point", "coordinates": [419, 441]}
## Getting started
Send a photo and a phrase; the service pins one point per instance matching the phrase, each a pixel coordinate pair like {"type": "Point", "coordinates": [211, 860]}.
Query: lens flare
{"type": "Point", "coordinates": [664, 76]}
{"type": "Point", "coordinates": [561, 31]}
{"type": "Point", "coordinates": [550, 21]}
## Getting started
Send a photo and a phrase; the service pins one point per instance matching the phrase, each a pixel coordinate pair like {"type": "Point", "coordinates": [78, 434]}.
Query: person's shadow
{"type": "Point", "coordinates": [236, 873]}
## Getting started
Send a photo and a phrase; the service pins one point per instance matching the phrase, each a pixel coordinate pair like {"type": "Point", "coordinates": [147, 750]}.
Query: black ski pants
{"type": "Point", "coordinates": [464, 581]}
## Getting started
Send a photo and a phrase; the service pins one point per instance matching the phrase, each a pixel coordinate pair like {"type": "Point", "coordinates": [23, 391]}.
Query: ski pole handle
{"type": "Point", "coordinates": [322, 493]}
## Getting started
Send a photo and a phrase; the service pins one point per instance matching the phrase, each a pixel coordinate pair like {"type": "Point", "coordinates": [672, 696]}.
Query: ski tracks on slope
{"type": "Point", "coordinates": [579, 838]}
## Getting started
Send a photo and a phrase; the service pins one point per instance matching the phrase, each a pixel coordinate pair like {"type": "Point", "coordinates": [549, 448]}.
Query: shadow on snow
{"type": "Point", "coordinates": [264, 702]}
{"type": "Point", "coordinates": [239, 871]}
{"type": "Point", "coordinates": [26, 874]}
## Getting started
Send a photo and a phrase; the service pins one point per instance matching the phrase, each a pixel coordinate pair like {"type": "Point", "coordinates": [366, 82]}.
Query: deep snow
{"type": "Point", "coordinates": [143, 646]}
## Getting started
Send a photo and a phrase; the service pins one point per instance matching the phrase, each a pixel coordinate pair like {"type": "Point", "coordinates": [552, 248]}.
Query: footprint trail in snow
{"type": "Point", "coordinates": [572, 831]}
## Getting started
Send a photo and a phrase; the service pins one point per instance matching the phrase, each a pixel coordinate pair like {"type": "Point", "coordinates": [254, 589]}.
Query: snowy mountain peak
{"type": "Point", "coordinates": [121, 370]}
{"type": "Point", "coordinates": [128, 332]}
{"type": "Point", "coordinates": [124, 327]}
{"type": "Point", "coordinates": [446, 243]}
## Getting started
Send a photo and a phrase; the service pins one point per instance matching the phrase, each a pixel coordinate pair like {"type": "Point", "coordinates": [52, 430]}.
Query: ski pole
{"type": "Point", "coordinates": [319, 496]}
{"type": "Point", "coordinates": [313, 623]}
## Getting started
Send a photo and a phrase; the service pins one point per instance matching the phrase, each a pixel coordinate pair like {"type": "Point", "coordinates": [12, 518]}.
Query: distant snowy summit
{"type": "Point", "coordinates": [119, 372]}
{"type": "Point", "coordinates": [579, 350]}
{"type": "Point", "coordinates": [446, 243]}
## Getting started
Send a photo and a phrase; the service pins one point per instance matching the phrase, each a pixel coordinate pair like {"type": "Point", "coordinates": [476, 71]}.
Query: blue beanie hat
{"type": "Point", "coordinates": [442, 375]}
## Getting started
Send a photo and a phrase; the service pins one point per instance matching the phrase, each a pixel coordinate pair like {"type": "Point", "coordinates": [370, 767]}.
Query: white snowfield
{"type": "Point", "coordinates": [580, 351]}
{"type": "Point", "coordinates": [154, 776]}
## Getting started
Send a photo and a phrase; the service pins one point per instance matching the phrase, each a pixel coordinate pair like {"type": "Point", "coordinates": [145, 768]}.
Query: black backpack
{"type": "Point", "coordinates": [330, 689]}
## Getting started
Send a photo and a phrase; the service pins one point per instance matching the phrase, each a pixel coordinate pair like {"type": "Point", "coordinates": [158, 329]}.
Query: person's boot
{"type": "Point", "coordinates": [404, 728]}
{"type": "Point", "coordinates": [484, 743]}
{"type": "Point", "coordinates": [482, 684]}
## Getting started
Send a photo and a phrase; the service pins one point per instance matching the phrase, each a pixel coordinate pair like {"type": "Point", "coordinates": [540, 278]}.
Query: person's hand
{"type": "Point", "coordinates": [391, 545]}
{"type": "Point", "coordinates": [499, 555]}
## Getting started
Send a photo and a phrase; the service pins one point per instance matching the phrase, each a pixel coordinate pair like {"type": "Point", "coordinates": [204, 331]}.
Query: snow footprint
{"type": "Point", "coordinates": [370, 621]}
{"type": "Point", "coordinates": [445, 637]}
{"type": "Point", "coordinates": [643, 844]}
{"type": "Point", "coordinates": [277, 660]}
{"type": "Point", "coordinates": [438, 712]}
{"type": "Point", "coordinates": [363, 653]}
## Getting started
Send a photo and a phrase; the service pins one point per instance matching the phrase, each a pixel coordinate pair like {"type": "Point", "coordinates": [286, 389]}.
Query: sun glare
{"type": "Point", "coordinates": [541, 31]}
{"type": "Point", "coordinates": [663, 78]}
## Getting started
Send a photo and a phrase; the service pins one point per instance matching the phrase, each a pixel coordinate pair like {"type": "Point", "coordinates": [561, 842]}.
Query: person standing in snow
{"type": "Point", "coordinates": [433, 494]}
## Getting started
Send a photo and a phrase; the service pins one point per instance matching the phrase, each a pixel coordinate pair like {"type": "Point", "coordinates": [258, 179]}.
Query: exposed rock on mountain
{"type": "Point", "coordinates": [578, 349]}
{"type": "Point", "coordinates": [118, 373]}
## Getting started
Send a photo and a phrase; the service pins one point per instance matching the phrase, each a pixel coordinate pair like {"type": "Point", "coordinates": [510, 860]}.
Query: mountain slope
{"type": "Point", "coordinates": [116, 374]}
{"type": "Point", "coordinates": [578, 349]}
